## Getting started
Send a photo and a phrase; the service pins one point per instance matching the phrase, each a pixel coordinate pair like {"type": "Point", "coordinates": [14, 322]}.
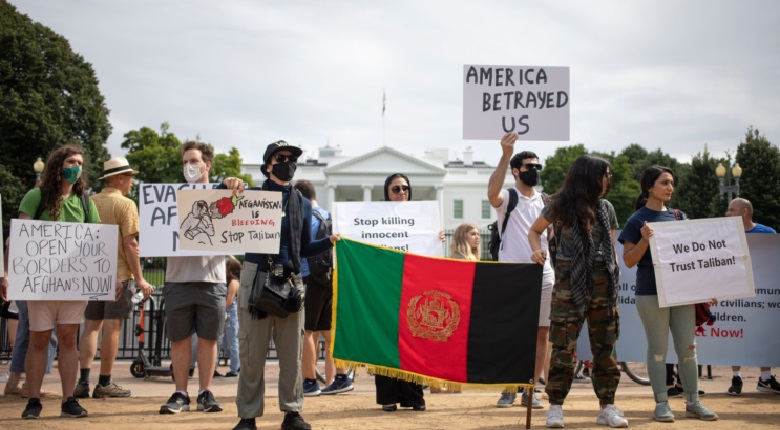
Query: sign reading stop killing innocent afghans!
{"type": "Point", "coordinates": [219, 220]}
{"type": "Point", "coordinates": [531, 101]}
{"type": "Point", "coordinates": [62, 261]}
{"type": "Point", "coordinates": [698, 260]}
{"type": "Point", "coordinates": [405, 226]}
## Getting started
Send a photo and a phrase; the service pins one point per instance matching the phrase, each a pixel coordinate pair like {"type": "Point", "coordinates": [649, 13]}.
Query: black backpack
{"type": "Point", "coordinates": [321, 266]}
{"type": "Point", "coordinates": [494, 244]}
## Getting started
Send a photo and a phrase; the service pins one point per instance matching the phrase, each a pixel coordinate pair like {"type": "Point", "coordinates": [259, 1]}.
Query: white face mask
{"type": "Point", "coordinates": [192, 172]}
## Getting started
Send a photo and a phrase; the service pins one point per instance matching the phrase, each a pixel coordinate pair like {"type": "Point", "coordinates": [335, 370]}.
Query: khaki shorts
{"type": "Point", "coordinates": [45, 314]}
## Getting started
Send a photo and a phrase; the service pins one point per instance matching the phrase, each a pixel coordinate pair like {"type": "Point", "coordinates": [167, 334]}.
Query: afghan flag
{"type": "Point", "coordinates": [434, 320]}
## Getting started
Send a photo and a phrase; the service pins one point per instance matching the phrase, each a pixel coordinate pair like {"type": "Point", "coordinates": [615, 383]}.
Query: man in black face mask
{"type": "Point", "coordinates": [259, 328]}
{"type": "Point", "coordinates": [514, 240]}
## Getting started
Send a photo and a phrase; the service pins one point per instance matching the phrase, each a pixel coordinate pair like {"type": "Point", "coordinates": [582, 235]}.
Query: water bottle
{"type": "Point", "coordinates": [138, 297]}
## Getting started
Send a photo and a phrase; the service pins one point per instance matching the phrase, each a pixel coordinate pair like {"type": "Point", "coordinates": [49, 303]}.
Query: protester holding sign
{"type": "Point", "coordinates": [657, 184]}
{"type": "Point", "coordinates": [60, 195]}
{"type": "Point", "coordinates": [586, 285]}
{"type": "Point", "coordinates": [258, 327]}
{"type": "Point", "coordinates": [195, 295]}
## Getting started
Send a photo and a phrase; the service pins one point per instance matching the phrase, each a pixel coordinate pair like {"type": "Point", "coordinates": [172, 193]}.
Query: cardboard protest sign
{"type": "Point", "coordinates": [158, 213]}
{"type": "Point", "coordinates": [698, 260]}
{"type": "Point", "coordinates": [62, 261]}
{"type": "Point", "coordinates": [219, 220]}
{"type": "Point", "coordinates": [532, 101]}
{"type": "Point", "coordinates": [405, 226]}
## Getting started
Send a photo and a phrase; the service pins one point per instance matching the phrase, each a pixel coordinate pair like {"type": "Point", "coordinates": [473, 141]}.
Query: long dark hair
{"type": "Point", "coordinates": [649, 176]}
{"type": "Point", "coordinates": [232, 269]}
{"type": "Point", "coordinates": [51, 183]}
{"type": "Point", "coordinates": [581, 191]}
{"type": "Point", "coordinates": [390, 179]}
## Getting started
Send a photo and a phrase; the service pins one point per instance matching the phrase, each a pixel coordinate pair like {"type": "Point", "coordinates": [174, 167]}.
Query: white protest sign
{"type": "Point", "coordinates": [405, 226]}
{"type": "Point", "coordinates": [219, 220]}
{"type": "Point", "coordinates": [532, 101]}
{"type": "Point", "coordinates": [158, 214]}
{"type": "Point", "coordinates": [62, 261]}
{"type": "Point", "coordinates": [743, 333]}
{"type": "Point", "coordinates": [698, 260]}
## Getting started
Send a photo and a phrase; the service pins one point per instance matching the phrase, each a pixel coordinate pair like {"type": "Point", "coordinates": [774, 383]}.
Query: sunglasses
{"type": "Point", "coordinates": [533, 166]}
{"type": "Point", "coordinates": [398, 188]}
{"type": "Point", "coordinates": [282, 158]}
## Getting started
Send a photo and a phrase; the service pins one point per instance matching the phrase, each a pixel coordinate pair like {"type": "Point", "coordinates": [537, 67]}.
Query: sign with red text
{"type": "Point", "coordinates": [532, 101]}
{"type": "Point", "coordinates": [698, 260]}
{"type": "Point", "coordinates": [50, 260]}
{"type": "Point", "coordinates": [218, 220]}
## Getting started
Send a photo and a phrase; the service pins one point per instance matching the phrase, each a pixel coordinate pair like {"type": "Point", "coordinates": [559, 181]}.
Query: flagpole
{"type": "Point", "coordinates": [384, 98]}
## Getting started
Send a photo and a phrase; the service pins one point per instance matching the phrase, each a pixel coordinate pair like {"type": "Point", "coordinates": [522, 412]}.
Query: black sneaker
{"type": "Point", "coordinates": [768, 386]}
{"type": "Point", "coordinates": [82, 390]}
{"type": "Point", "coordinates": [72, 409]}
{"type": "Point", "coordinates": [177, 403]}
{"type": "Point", "coordinates": [33, 409]}
{"type": "Point", "coordinates": [294, 421]}
{"type": "Point", "coordinates": [246, 424]}
{"type": "Point", "coordinates": [736, 386]}
{"type": "Point", "coordinates": [207, 403]}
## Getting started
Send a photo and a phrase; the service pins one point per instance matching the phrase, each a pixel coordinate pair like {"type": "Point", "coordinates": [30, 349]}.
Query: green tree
{"type": "Point", "coordinates": [156, 156]}
{"type": "Point", "coordinates": [556, 166]}
{"type": "Point", "coordinates": [625, 188]}
{"type": "Point", "coordinates": [227, 165]}
{"type": "Point", "coordinates": [49, 97]}
{"type": "Point", "coordinates": [760, 181]}
{"type": "Point", "coordinates": [696, 188]}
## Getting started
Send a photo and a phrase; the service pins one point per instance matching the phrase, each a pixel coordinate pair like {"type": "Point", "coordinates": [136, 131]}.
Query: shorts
{"type": "Point", "coordinates": [194, 308]}
{"type": "Point", "coordinates": [45, 314]}
{"type": "Point", "coordinates": [118, 310]}
{"type": "Point", "coordinates": [544, 311]}
{"type": "Point", "coordinates": [318, 306]}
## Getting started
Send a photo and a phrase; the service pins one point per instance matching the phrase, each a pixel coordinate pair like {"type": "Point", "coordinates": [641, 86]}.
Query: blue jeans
{"type": "Point", "coordinates": [230, 339]}
{"type": "Point", "coordinates": [22, 341]}
{"type": "Point", "coordinates": [681, 320]}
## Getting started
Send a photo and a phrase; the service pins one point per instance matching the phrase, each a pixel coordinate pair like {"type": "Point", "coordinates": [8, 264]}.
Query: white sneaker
{"type": "Point", "coordinates": [611, 416]}
{"type": "Point", "coordinates": [555, 417]}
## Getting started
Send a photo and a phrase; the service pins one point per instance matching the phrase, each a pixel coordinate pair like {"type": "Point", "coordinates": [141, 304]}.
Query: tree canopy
{"type": "Point", "coordinates": [49, 97]}
{"type": "Point", "coordinates": [760, 181]}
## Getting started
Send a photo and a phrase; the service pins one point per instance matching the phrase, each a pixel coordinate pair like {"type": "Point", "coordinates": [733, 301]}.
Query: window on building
{"type": "Point", "coordinates": [457, 209]}
{"type": "Point", "coordinates": [485, 209]}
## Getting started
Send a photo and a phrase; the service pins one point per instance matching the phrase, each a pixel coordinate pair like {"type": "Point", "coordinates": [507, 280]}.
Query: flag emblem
{"type": "Point", "coordinates": [433, 315]}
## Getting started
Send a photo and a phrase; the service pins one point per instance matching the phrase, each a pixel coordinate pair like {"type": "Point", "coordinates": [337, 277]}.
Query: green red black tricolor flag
{"type": "Point", "coordinates": [434, 320]}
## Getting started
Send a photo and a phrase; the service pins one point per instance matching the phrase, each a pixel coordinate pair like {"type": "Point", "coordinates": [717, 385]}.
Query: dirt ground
{"type": "Point", "coordinates": [472, 409]}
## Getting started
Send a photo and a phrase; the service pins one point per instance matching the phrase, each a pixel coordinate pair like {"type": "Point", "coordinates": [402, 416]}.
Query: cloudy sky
{"type": "Point", "coordinates": [665, 74]}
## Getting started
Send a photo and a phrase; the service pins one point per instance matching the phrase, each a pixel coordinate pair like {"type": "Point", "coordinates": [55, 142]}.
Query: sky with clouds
{"type": "Point", "coordinates": [664, 74]}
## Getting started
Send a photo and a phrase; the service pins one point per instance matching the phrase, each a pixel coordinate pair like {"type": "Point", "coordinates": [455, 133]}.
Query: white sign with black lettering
{"type": "Point", "coordinates": [62, 261]}
{"type": "Point", "coordinates": [531, 101]}
{"type": "Point", "coordinates": [697, 260]}
{"type": "Point", "coordinates": [405, 226]}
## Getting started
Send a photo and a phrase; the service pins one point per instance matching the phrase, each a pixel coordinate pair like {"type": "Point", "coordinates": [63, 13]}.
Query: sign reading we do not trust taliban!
{"type": "Point", "coordinates": [531, 101]}
{"type": "Point", "coordinates": [698, 260]}
{"type": "Point", "coordinates": [62, 261]}
{"type": "Point", "coordinates": [217, 220]}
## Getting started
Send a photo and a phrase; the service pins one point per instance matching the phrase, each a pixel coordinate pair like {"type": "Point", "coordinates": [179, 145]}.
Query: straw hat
{"type": "Point", "coordinates": [116, 166]}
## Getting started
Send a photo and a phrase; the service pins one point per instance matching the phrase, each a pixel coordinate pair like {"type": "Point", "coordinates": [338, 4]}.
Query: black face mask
{"type": "Point", "coordinates": [284, 171]}
{"type": "Point", "coordinates": [530, 177]}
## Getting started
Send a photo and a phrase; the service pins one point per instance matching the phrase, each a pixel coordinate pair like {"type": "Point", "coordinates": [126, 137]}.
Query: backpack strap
{"type": "Point", "coordinates": [513, 199]}
{"type": "Point", "coordinates": [42, 207]}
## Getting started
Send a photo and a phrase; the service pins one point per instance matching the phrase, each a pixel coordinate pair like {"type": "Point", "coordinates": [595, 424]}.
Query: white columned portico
{"type": "Point", "coordinates": [440, 198]}
{"type": "Point", "coordinates": [331, 194]}
{"type": "Point", "coordinates": [367, 193]}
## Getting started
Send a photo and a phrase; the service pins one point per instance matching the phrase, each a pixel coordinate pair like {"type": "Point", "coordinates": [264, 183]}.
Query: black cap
{"type": "Point", "coordinates": [277, 146]}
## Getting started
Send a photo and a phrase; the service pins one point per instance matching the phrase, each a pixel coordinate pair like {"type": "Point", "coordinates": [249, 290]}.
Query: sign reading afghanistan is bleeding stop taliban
{"type": "Point", "coordinates": [531, 101]}
{"type": "Point", "coordinates": [62, 261]}
{"type": "Point", "coordinates": [698, 260]}
{"type": "Point", "coordinates": [218, 220]}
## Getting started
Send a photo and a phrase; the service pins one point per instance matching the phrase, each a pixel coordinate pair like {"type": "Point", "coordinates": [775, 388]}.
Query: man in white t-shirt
{"type": "Point", "coordinates": [514, 241]}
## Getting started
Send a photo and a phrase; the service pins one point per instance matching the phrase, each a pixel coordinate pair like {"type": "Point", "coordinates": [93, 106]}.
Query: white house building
{"type": "Point", "coordinates": [459, 186]}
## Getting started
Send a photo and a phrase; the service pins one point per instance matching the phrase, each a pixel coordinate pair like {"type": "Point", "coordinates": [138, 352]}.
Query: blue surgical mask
{"type": "Point", "coordinates": [72, 174]}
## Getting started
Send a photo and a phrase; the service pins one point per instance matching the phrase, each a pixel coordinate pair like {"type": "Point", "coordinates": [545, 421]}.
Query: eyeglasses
{"type": "Point", "coordinates": [397, 189]}
{"type": "Point", "coordinates": [282, 158]}
{"type": "Point", "coordinates": [532, 166]}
